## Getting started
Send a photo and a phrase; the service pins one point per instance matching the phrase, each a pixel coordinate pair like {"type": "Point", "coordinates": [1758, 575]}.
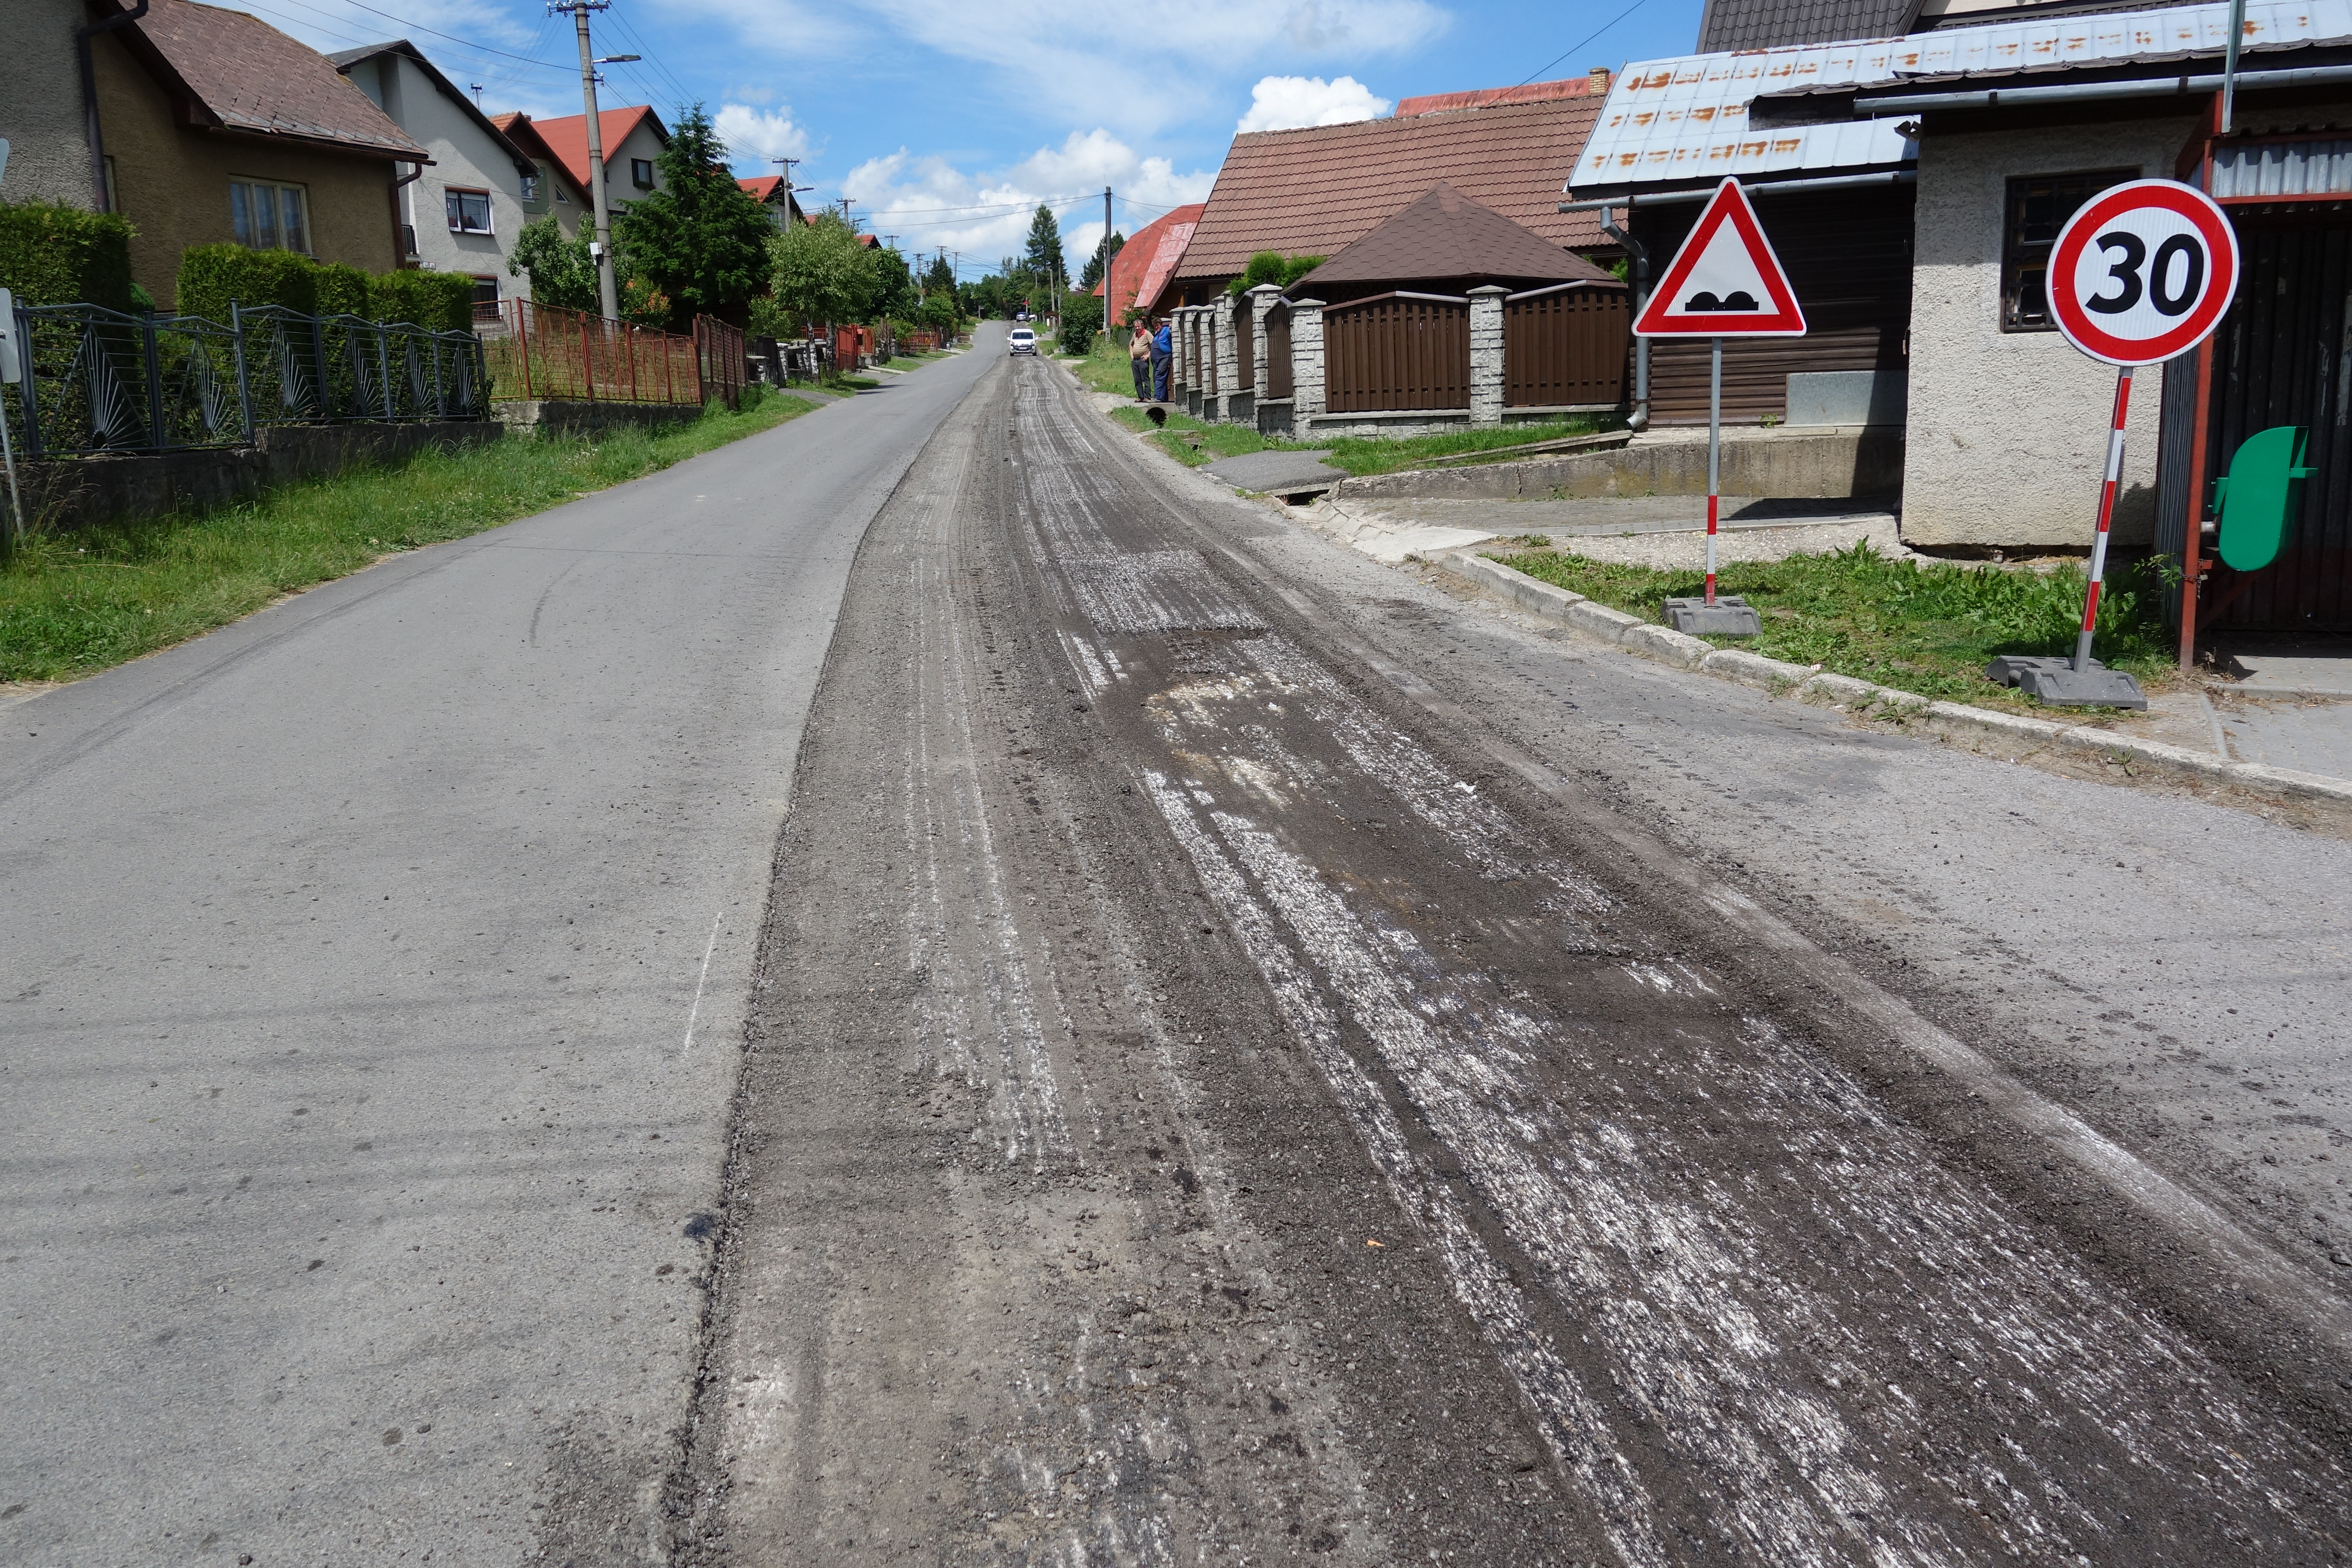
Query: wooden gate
{"type": "Point", "coordinates": [1396, 351]}
{"type": "Point", "coordinates": [1566, 345]}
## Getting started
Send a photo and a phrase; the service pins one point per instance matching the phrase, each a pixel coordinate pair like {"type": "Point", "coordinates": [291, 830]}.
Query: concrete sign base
{"type": "Point", "coordinates": [1728, 617]}
{"type": "Point", "coordinates": [2056, 681]}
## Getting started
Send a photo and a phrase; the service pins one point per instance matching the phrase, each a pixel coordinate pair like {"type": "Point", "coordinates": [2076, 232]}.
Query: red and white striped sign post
{"type": "Point", "coordinates": [2142, 271]}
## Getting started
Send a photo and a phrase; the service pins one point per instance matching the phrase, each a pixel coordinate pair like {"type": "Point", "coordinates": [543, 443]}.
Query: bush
{"type": "Point", "coordinates": [341, 291]}
{"type": "Point", "coordinates": [1273, 266]}
{"type": "Point", "coordinates": [51, 254]}
{"type": "Point", "coordinates": [441, 301]}
{"type": "Point", "coordinates": [213, 274]}
{"type": "Point", "coordinates": [1081, 320]}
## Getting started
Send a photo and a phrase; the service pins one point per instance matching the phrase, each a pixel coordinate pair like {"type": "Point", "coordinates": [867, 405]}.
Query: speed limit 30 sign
{"type": "Point", "coordinates": [2142, 272]}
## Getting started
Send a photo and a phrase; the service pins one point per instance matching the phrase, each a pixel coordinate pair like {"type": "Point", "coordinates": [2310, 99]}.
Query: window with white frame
{"type": "Point", "coordinates": [269, 216]}
{"type": "Point", "coordinates": [530, 191]}
{"type": "Point", "coordinates": [469, 211]}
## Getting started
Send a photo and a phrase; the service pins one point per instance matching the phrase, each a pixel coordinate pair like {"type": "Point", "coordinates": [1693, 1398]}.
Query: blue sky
{"type": "Point", "coordinates": [946, 121]}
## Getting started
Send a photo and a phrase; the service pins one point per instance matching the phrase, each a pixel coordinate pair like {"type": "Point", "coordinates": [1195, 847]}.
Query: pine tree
{"type": "Point", "coordinates": [1041, 255]}
{"type": "Point", "coordinates": [699, 244]}
{"type": "Point", "coordinates": [1093, 274]}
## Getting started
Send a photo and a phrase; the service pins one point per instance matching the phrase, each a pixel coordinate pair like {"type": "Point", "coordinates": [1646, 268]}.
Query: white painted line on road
{"type": "Point", "coordinates": [696, 1011]}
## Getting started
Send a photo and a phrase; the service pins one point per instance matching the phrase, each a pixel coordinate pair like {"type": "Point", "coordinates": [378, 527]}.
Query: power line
{"type": "Point", "coordinates": [1621, 15]}
{"type": "Point", "coordinates": [419, 27]}
{"type": "Point", "coordinates": [629, 30]}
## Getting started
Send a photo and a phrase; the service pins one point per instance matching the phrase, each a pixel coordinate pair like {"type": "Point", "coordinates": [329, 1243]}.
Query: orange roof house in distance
{"type": "Point", "coordinates": [634, 139]}
{"type": "Point", "coordinates": [1317, 190]}
{"type": "Point", "coordinates": [1148, 259]}
{"type": "Point", "coordinates": [770, 192]}
{"type": "Point", "coordinates": [557, 192]}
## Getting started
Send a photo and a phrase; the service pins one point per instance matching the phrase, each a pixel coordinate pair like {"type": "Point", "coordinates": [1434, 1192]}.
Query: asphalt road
{"type": "Point", "coordinates": [1258, 1061]}
{"type": "Point", "coordinates": [375, 975]}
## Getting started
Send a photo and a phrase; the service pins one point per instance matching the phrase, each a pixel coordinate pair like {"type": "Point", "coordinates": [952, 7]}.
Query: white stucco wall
{"type": "Point", "coordinates": [41, 110]}
{"type": "Point", "coordinates": [620, 188]}
{"type": "Point", "coordinates": [2008, 430]}
{"type": "Point", "coordinates": [464, 157]}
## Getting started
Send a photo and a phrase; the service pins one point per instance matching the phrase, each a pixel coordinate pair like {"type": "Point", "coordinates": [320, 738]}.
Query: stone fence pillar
{"type": "Point", "coordinates": [1305, 363]}
{"type": "Point", "coordinates": [1262, 301]}
{"type": "Point", "coordinates": [1176, 357]}
{"type": "Point", "coordinates": [1229, 347]}
{"type": "Point", "coordinates": [1486, 355]}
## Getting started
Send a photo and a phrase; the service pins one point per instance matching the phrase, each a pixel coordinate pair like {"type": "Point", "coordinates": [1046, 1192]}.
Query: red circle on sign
{"type": "Point", "coordinates": [2095, 219]}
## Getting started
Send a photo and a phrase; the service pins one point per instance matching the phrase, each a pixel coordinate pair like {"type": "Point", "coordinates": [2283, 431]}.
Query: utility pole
{"type": "Point", "coordinates": [608, 292]}
{"type": "Point", "coordinates": [1106, 323]}
{"type": "Point", "coordinates": [789, 186]}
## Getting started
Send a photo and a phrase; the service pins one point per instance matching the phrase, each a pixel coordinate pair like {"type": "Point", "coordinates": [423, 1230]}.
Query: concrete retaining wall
{"type": "Point", "coordinates": [566, 417]}
{"type": "Point", "coordinates": [76, 492]}
{"type": "Point", "coordinates": [1866, 465]}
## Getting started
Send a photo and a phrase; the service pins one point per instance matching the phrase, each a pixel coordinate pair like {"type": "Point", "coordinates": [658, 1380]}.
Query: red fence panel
{"type": "Point", "coordinates": [540, 352]}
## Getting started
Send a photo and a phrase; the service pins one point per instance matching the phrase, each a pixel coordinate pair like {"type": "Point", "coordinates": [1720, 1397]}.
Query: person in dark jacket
{"type": "Point", "coordinates": [1163, 349]}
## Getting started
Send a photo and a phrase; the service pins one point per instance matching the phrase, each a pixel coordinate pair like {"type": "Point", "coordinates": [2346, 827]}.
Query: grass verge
{"type": "Point", "coordinates": [74, 604]}
{"type": "Point", "coordinates": [1193, 442]}
{"type": "Point", "coordinates": [1925, 628]}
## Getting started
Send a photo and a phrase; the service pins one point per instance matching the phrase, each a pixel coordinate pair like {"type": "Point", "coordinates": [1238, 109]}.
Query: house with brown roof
{"type": "Point", "coordinates": [41, 106]}
{"type": "Point", "coordinates": [213, 126]}
{"type": "Point", "coordinates": [632, 140]}
{"type": "Point", "coordinates": [1317, 190]}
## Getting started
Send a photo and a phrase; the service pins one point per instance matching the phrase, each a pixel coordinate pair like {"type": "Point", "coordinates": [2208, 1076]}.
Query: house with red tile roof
{"type": "Point", "coordinates": [215, 126]}
{"type": "Point", "coordinates": [634, 139]}
{"type": "Point", "coordinates": [1315, 191]}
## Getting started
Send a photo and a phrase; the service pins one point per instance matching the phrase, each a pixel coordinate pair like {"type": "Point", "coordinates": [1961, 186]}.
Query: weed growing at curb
{"type": "Point", "coordinates": [75, 603]}
{"type": "Point", "coordinates": [1923, 628]}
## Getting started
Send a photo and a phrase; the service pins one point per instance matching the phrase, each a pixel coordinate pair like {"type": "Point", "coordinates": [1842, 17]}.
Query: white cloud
{"type": "Point", "coordinates": [931, 205]}
{"type": "Point", "coordinates": [754, 136]}
{"type": "Point", "coordinates": [1284, 103]}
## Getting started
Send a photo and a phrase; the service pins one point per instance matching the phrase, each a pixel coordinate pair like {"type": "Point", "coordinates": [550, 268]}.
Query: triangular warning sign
{"type": "Point", "coordinates": [1725, 281]}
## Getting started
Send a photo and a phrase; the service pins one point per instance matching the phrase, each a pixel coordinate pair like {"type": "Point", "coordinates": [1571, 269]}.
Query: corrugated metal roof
{"type": "Point", "coordinates": [1672, 120]}
{"type": "Point", "coordinates": [1680, 120]}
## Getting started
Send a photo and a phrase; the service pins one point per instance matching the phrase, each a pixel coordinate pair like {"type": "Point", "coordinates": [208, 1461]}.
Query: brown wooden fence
{"type": "Point", "coordinates": [1278, 382]}
{"type": "Point", "coordinates": [539, 351]}
{"type": "Point", "coordinates": [1566, 345]}
{"type": "Point", "coordinates": [1397, 352]}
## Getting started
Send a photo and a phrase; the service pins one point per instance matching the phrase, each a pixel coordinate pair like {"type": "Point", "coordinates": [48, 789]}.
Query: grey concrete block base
{"type": "Point", "coordinates": [1728, 617]}
{"type": "Point", "coordinates": [2057, 682]}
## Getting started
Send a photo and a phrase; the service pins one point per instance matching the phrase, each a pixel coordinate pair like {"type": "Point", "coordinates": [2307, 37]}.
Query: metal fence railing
{"type": "Point", "coordinates": [99, 381]}
{"type": "Point", "coordinates": [539, 351]}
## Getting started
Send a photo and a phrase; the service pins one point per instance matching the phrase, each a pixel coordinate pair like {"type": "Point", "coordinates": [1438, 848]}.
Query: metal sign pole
{"type": "Point", "coordinates": [1714, 454]}
{"type": "Point", "coordinates": [15, 366]}
{"type": "Point", "coordinates": [2106, 516]}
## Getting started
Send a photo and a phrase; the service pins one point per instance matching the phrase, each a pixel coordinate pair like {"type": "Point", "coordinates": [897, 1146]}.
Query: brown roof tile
{"type": "Point", "coordinates": [1314, 192]}
{"type": "Point", "coordinates": [1446, 236]}
{"type": "Point", "coordinates": [1595, 82]}
{"type": "Point", "coordinates": [247, 76]}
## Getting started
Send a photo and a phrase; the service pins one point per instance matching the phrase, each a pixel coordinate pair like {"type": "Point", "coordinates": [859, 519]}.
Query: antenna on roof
{"type": "Point", "coordinates": [477, 93]}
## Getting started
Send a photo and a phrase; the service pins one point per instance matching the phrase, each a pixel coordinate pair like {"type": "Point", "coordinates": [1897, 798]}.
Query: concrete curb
{"type": "Point", "coordinates": [2012, 736]}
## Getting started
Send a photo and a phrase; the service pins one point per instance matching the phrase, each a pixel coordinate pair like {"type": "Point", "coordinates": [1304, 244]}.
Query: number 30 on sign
{"type": "Point", "coordinates": [2142, 271]}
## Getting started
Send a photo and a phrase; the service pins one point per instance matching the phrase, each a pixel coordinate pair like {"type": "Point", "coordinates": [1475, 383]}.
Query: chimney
{"type": "Point", "coordinates": [1599, 81]}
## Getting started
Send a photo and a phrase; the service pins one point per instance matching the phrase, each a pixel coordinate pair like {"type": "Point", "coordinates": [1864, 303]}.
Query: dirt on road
{"type": "Point", "coordinates": [1199, 1108]}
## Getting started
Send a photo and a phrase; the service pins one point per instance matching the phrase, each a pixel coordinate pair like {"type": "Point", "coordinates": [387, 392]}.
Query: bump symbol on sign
{"type": "Point", "coordinates": [1739, 300]}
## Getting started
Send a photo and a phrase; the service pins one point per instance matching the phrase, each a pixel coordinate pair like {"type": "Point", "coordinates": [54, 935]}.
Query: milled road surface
{"type": "Point", "coordinates": [1247, 1057]}
{"type": "Point", "coordinates": [375, 974]}
{"type": "Point", "coordinates": [1244, 1071]}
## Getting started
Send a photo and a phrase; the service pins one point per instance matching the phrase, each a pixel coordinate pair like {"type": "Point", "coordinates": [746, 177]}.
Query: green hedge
{"type": "Point", "coordinates": [213, 274]}
{"type": "Point", "coordinates": [55, 255]}
{"type": "Point", "coordinates": [441, 300]}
